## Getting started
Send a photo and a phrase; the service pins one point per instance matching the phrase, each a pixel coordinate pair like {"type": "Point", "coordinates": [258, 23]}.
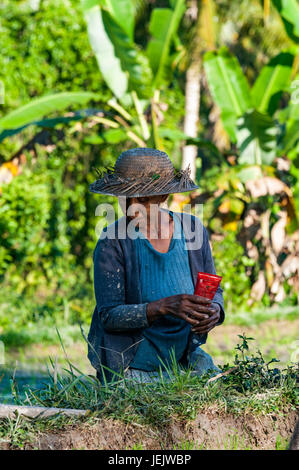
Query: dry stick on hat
{"type": "Point", "coordinates": [143, 172]}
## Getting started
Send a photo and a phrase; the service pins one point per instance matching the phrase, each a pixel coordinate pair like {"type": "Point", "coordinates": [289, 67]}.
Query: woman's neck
{"type": "Point", "coordinates": [157, 224]}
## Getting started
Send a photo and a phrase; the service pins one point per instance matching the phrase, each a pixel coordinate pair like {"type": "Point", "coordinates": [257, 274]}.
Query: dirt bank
{"type": "Point", "coordinates": [210, 430]}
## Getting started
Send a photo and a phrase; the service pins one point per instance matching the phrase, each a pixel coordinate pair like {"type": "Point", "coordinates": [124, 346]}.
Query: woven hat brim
{"type": "Point", "coordinates": [114, 185]}
{"type": "Point", "coordinates": [167, 190]}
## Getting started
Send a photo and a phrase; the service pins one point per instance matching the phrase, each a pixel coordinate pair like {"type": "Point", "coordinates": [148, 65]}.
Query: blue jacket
{"type": "Point", "coordinates": [120, 316]}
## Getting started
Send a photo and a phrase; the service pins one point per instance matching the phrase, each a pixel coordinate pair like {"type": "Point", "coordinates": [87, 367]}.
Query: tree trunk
{"type": "Point", "coordinates": [192, 100]}
{"type": "Point", "coordinates": [204, 39]}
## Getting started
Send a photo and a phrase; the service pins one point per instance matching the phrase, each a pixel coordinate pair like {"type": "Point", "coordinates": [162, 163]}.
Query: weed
{"type": "Point", "coordinates": [252, 373]}
{"type": "Point", "coordinates": [251, 386]}
{"type": "Point", "coordinates": [281, 443]}
{"type": "Point", "coordinates": [137, 446]}
{"type": "Point", "coordinates": [234, 442]}
{"type": "Point", "coordinates": [21, 430]}
{"type": "Point", "coordinates": [189, 445]}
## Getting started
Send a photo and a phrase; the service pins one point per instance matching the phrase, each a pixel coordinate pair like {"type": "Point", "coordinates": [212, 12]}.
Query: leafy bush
{"type": "Point", "coordinates": [231, 263]}
{"type": "Point", "coordinates": [45, 49]}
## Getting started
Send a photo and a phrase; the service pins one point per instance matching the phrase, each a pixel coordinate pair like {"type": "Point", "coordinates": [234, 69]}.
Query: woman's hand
{"type": "Point", "coordinates": [194, 309]}
{"type": "Point", "coordinates": [204, 326]}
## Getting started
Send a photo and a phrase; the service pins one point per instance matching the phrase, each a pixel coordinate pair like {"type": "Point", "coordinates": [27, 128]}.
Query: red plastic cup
{"type": "Point", "coordinates": [207, 285]}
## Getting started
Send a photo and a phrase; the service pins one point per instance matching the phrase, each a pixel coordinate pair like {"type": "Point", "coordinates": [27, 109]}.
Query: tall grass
{"type": "Point", "coordinates": [250, 383]}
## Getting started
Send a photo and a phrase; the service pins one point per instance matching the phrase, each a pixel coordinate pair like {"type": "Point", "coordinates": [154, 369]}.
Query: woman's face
{"type": "Point", "coordinates": [140, 206]}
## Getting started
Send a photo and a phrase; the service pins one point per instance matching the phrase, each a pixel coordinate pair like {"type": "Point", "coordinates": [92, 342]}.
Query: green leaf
{"type": "Point", "coordinates": [289, 118]}
{"type": "Point", "coordinates": [39, 107]}
{"type": "Point", "coordinates": [164, 23]}
{"type": "Point", "coordinates": [123, 13]}
{"type": "Point", "coordinates": [52, 122]}
{"type": "Point", "coordinates": [289, 12]}
{"type": "Point", "coordinates": [87, 4]}
{"type": "Point", "coordinates": [114, 136]}
{"type": "Point", "coordinates": [103, 48]}
{"type": "Point", "coordinates": [291, 136]}
{"type": "Point", "coordinates": [248, 173]}
{"type": "Point", "coordinates": [94, 139]}
{"type": "Point", "coordinates": [256, 138]}
{"type": "Point", "coordinates": [176, 135]}
{"type": "Point", "coordinates": [236, 205]}
{"type": "Point", "coordinates": [294, 101]}
{"type": "Point", "coordinates": [133, 62]}
{"type": "Point", "coordinates": [172, 134]}
{"type": "Point", "coordinates": [228, 86]}
{"type": "Point", "coordinates": [272, 80]}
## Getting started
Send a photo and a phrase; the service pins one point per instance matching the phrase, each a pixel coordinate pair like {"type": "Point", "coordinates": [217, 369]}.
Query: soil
{"type": "Point", "coordinates": [211, 429]}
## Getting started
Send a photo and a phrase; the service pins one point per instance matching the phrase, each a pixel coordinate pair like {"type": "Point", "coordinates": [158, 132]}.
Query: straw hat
{"type": "Point", "coordinates": [143, 172]}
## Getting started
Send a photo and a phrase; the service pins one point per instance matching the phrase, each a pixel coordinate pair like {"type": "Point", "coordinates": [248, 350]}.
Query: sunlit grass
{"type": "Point", "coordinates": [253, 386]}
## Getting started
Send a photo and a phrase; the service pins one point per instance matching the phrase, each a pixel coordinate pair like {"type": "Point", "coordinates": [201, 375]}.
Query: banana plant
{"type": "Point", "coordinates": [289, 12]}
{"type": "Point", "coordinates": [133, 75]}
{"type": "Point", "coordinates": [123, 66]}
{"type": "Point", "coordinates": [259, 130]}
{"type": "Point", "coordinates": [39, 107]}
{"type": "Point", "coordinates": [248, 113]}
{"type": "Point", "coordinates": [126, 69]}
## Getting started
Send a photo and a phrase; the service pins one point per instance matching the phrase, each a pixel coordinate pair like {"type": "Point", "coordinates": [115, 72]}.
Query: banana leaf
{"type": "Point", "coordinates": [51, 122]}
{"type": "Point", "coordinates": [289, 119]}
{"type": "Point", "coordinates": [256, 138]}
{"type": "Point", "coordinates": [103, 48]}
{"type": "Point", "coordinates": [110, 28]}
{"type": "Point", "coordinates": [133, 61]}
{"type": "Point", "coordinates": [39, 107]}
{"type": "Point", "coordinates": [291, 136]}
{"type": "Point", "coordinates": [289, 12]}
{"type": "Point", "coordinates": [228, 86]}
{"type": "Point", "coordinates": [176, 135]}
{"type": "Point", "coordinates": [164, 23]}
{"type": "Point", "coordinates": [273, 79]}
{"type": "Point", "coordinates": [123, 13]}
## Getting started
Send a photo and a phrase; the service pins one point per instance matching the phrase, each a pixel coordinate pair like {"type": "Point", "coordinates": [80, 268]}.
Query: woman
{"type": "Point", "coordinates": [145, 270]}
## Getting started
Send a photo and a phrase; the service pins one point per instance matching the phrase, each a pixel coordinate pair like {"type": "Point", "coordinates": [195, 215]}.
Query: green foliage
{"type": "Point", "coordinates": [250, 385]}
{"type": "Point", "coordinates": [20, 431]}
{"type": "Point", "coordinates": [27, 222]}
{"type": "Point", "coordinates": [232, 264]}
{"type": "Point", "coordinates": [46, 49]}
{"type": "Point", "coordinates": [228, 86]}
{"type": "Point", "coordinates": [48, 219]}
{"type": "Point", "coordinates": [109, 63]}
{"type": "Point", "coordinates": [125, 67]}
{"type": "Point", "coordinates": [163, 26]}
{"type": "Point", "coordinates": [253, 131]}
{"type": "Point", "coordinates": [39, 107]}
{"type": "Point", "coordinates": [256, 138]}
{"type": "Point", "coordinates": [289, 11]}
{"type": "Point", "coordinates": [271, 82]}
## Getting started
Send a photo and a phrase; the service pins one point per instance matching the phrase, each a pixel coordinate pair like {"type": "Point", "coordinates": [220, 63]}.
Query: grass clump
{"type": "Point", "coordinates": [21, 431]}
{"type": "Point", "coordinates": [250, 384]}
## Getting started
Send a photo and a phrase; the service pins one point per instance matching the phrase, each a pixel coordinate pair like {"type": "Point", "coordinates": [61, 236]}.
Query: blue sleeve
{"type": "Point", "coordinates": [209, 267]}
{"type": "Point", "coordinates": [109, 285]}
